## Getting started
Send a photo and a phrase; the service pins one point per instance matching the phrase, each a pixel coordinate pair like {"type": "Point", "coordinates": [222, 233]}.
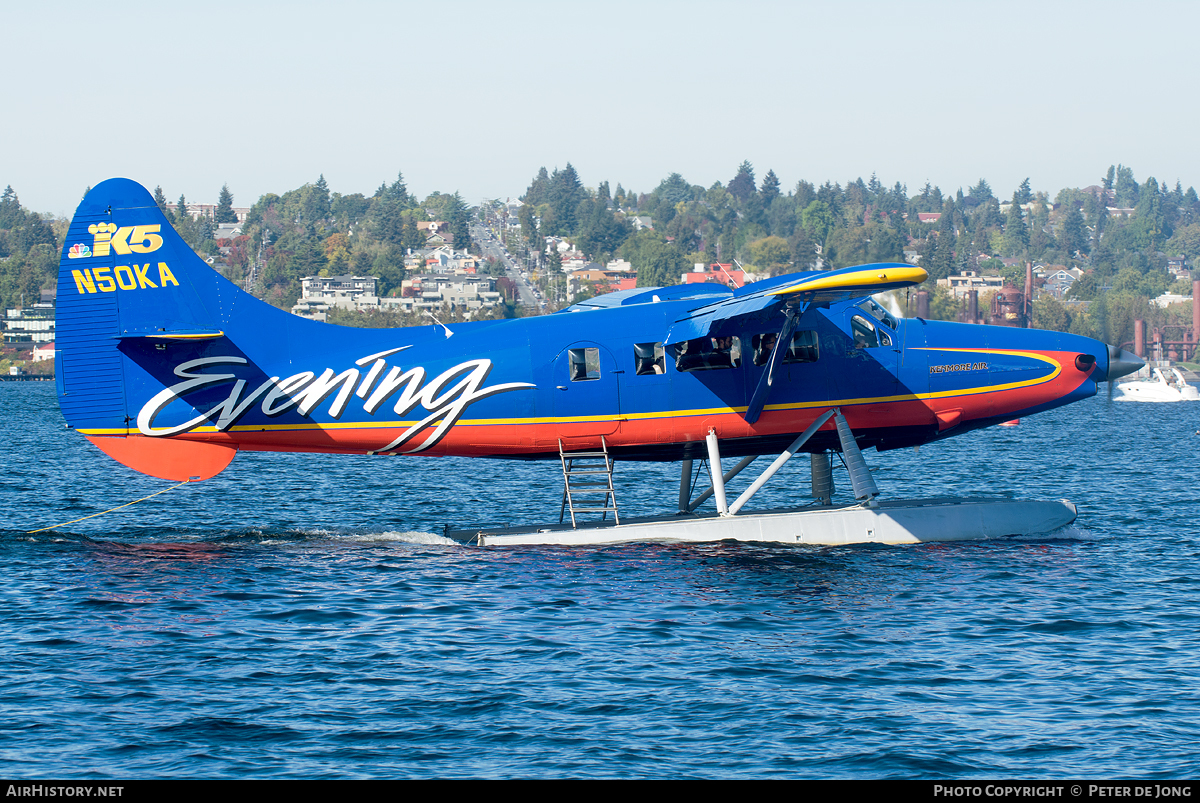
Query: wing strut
{"type": "Point", "coordinates": [782, 343]}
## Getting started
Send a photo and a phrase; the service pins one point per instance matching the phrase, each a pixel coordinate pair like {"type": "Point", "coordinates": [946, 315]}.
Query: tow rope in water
{"type": "Point", "coordinates": [110, 510]}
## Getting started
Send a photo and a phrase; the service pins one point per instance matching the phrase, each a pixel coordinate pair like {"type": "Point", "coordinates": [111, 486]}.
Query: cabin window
{"type": "Point", "coordinates": [708, 353]}
{"type": "Point", "coordinates": [867, 335]}
{"type": "Point", "coordinates": [803, 349]}
{"type": "Point", "coordinates": [648, 358]}
{"type": "Point", "coordinates": [585, 364]}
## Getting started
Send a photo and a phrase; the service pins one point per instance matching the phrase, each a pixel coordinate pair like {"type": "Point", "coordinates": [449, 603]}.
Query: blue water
{"type": "Point", "coordinates": [301, 616]}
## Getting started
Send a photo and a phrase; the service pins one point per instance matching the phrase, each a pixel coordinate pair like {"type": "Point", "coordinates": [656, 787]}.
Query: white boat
{"type": "Point", "coordinates": [1160, 387]}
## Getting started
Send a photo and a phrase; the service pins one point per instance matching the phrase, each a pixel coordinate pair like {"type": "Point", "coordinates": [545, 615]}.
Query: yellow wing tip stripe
{"type": "Point", "coordinates": [860, 278]}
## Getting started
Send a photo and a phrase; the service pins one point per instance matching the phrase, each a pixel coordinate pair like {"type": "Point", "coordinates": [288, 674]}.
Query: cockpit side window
{"type": "Point", "coordinates": [648, 358]}
{"type": "Point", "coordinates": [707, 353]}
{"type": "Point", "coordinates": [866, 335]}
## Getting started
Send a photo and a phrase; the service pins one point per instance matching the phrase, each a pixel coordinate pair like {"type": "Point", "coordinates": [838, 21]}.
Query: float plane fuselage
{"type": "Point", "coordinates": [171, 369]}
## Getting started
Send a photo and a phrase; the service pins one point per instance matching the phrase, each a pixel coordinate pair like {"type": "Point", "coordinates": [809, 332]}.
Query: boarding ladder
{"type": "Point", "coordinates": [587, 474]}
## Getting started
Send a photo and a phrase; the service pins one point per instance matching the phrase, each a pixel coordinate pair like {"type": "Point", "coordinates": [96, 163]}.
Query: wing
{"type": "Point", "coordinates": [766, 298]}
{"type": "Point", "coordinates": [792, 295]}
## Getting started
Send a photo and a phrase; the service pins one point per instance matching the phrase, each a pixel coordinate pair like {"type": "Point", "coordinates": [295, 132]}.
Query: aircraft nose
{"type": "Point", "coordinates": [1121, 362]}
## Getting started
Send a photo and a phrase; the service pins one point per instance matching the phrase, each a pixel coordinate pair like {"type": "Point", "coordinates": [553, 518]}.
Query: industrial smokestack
{"type": "Point", "coordinates": [922, 303]}
{"type": "Point", "coordinates": [972, 306]}
{"type": "Point", "coordinates": [1028, 295]}
{"type": "Point", "coordinates": [1195, 318]}
{"type": "Point", "coordinates": [1139, 338]}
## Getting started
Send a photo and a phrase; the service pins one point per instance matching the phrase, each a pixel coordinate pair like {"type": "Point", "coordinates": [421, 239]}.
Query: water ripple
{"type": "Point", "coordinates": [302, 616]}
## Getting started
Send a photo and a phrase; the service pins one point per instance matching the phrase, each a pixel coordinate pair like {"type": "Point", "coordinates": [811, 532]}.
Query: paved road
{"type": "Point", "coordinates": [492, 247]}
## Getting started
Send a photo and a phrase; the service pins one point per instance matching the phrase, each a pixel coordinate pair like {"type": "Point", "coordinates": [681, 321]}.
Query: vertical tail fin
{"type": "Point", "coordinates": [125, 276]}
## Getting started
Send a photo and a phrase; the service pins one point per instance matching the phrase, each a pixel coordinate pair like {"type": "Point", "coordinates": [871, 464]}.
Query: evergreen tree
{"type": "Point", "coordinates": [308, 260]}
{"type": "Point", "coordinates": [601, 232]}
{"type": "Point", "coordinates": [1127, 188]}
{"type": "Point", "coordinates": [458, 216]}
{"type": "Point", "coordinates": [981, 191]}
{"type": "Point", "coordinates": [831, 196]}
{"type": "Point", "coordinates": [1073, 236]}
{"type": "Point", "coordinates": [875, 187]}
{"type": "Point", "coordinates": [741, 186]}
{"type": "Point", "coordinates": [565, 194]}
{"type": "Point", "coordinates": [1150, 209]}
{"type": "Point", "coordinates": [805, 194]}
{"type": "Point", "coordinates": [529, 227]}
{"type": "Point", "coordinates": [1101, 217]}
{"type": "Point", "coordinates": [185, 224]}
{"type": "Point", "coordinates": [539, 189]}
{"type": "Point", "coordinates": [1023, 194]}
{"type": "Point", "coordinates": [316, 202]}
{"type": "Point", "coordinates": [411, 237]}
{"type": "Point", "coordinates": [10, 209]}
{"type": "Point", "coordinates": [225, 213]}
{"type": "Point", "coordinates": [770, 188]}
{"type": "Point", "coordinates": [1016, 233]}
{"type": "Point", "coordinates": [388, 214]}
{"type": "Point", "coordinates": [32, 232]}
{"type": "Point", "coordinates": [161, 199]}
{"type": "Point", "coordinates": [942, 262]}
{"type": "Point", "coordinates": [397, 193]}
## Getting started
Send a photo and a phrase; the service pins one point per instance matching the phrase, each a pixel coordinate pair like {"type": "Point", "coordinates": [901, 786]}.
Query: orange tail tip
{"type": "Point", "coordinates": [167, 459]}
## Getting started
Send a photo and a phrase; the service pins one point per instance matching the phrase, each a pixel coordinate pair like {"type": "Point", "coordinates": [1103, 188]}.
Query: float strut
{"type": "Point", "coordinates": [726, 477]}
{"type": "Point", "coordinates": [822, 477]}
{"type": "Point", "coordinates": [714, 464]}
{"type": "Point", "coordinates": [685, 484]}
{"type": "Point", "coordinates": [779, 461]}
{"type": "Point", "coordinates": [864, 486]}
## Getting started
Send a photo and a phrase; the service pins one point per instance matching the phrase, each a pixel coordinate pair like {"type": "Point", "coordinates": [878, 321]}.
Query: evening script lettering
{"type": "Point", "coordinates": [444, 397]}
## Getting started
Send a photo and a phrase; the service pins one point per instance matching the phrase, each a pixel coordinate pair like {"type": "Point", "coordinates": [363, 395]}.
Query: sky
{"type": "Point", "coordinates": [474, 97]}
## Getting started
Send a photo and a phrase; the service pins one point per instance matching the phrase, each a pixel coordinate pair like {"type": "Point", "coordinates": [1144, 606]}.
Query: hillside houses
{"type": "Point", "coordinates": [429, 292]}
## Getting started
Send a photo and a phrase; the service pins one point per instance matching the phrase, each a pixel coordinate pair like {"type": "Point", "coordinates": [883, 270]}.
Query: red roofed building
{"type": "Point", "coordinates": [717, 273]}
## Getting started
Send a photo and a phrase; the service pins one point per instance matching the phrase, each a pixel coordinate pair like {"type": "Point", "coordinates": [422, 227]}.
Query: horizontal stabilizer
{"type": "Point", "coordinates": [167, 459]}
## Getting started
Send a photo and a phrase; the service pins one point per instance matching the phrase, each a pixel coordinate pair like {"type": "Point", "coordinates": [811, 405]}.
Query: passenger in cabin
{"type": "Point", "coordinates": [704, 353]}
{"type": "Point", "coordinates": [763, 345]}
{"type": "Point", "coordinates": [648, 358]}
{"type": "Point", "coordinates": [690, 355]}
{"type": "Point", "coordinates": [722, 356]}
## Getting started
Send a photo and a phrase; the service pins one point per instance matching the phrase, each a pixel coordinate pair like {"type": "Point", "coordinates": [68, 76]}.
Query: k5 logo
{"type": "Point", "coordinates": [125, 240]}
